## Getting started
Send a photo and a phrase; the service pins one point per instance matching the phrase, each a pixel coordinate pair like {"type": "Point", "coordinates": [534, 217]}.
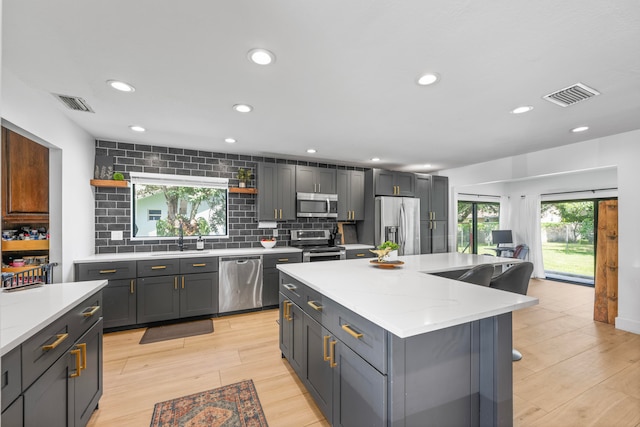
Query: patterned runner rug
{"type": "Point", "coordinates": [234, 405]}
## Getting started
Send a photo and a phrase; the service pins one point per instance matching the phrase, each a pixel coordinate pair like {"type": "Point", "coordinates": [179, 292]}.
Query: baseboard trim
{"type": "Point", "coordinates": [628, 325]}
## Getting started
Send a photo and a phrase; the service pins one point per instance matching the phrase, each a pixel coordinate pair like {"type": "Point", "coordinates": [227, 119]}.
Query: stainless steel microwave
{"type": "Point", "coordinates": [316, 205]}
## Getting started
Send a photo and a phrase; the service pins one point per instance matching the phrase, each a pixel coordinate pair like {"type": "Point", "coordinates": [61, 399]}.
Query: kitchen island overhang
{"type": "Point", "coordinates": [425, 349]}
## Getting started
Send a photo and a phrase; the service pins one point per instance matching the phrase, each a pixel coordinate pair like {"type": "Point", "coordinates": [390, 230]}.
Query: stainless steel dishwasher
{"type": "Point", "coordinates": [240, 284]}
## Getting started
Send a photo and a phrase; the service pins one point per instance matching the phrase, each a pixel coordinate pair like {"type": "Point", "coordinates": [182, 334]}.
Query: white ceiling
{"type": "Point", "coordinates": [344, 79]}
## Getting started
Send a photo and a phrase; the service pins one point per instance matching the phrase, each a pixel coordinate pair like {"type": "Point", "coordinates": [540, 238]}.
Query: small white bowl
{"type": "Point", "coordinates": [268, 244]}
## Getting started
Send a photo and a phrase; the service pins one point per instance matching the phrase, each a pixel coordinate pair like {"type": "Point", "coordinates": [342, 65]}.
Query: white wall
{"type": "Point", "coordinates": [72, 151]}
{"type": "Point", "coordinates": [595, 159]}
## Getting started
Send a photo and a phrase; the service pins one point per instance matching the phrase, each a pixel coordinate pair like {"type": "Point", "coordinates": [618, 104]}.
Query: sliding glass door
{"type": "Point", "coordinates": [475, 222]}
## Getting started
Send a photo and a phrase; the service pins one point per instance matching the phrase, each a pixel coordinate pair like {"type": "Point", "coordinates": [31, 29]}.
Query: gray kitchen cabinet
{"type": "Point", "coordinates": [311, 179]}
{"type": "Point", "coordinates": [393, 183]}
{"type": "Point", "coordinates": [291, 330]}
{"type": "Point", "coordinates": [360, 253]}
{"type": "Point", "coordinates": [433, 192]}
{"type": "Point", "coordinates": [270, 275]}
{"type": "Point", "coordinates": [318, 373]}
{"type": "Point", "coordinates": [119, 296]}
{"type": "Point", "coordinates": [59, 369]}
{"type": "Point", "coordinates": [350, 195]}
{"type": "Point", "coordinates": [276, 184]}
{"type": "Point", "coordinates": [198, 294]}
{"type": "Point", "coordinates": [158, 299]}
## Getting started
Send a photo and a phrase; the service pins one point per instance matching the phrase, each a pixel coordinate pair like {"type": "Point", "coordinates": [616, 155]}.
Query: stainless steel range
{"type": "Point", "coordinates": [316, 245]}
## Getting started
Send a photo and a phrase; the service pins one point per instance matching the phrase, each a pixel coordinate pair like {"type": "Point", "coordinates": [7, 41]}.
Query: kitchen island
{"type": "Point", "coordinates": [400, 347]}
{"type": "Point", "coordinates": [51, 348]}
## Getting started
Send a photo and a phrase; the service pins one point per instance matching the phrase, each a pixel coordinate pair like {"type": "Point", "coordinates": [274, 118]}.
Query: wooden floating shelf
{"type": "Point", "coordinates": [108, 183]}
{"type": "Point", "coordinates": [242, 190]}
{"type": "Point", "coordinates": [25, 245]}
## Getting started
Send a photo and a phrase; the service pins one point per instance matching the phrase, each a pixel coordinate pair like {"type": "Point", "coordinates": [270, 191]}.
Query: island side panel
{"type": "Point", "coordinates": [432, 378]}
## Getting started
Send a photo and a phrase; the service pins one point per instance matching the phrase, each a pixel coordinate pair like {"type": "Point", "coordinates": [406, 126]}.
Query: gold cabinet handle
{"type": "Point", "coordinates": [290, 287]}
{"type": "Point", "coordinates": [175, 283]}
{"type": "Point", "coordinates": [158, 267]}
{"type": "Point", "coordinates": [288, 315]}
{"type": "Point", "coordinates": [435, 225]}
{"type": "Point", "coordinates": [132, 288]}
{"type": "Point", "coordinates": [57, 342]}
{"type": "Point", "coordinates": [83, 347]}
{"type": "Point", "coordinates": [351, 332]}
{"type": "Point", "coordinates": [182, 282]}
{"type": "Point", "coordinates": [332, 354]}
{"type": "Point", "coordinates": [359, 254]}
{"type": "Point", "coordinates": [325, 341]}
{"type": "Point", "coordinates": [283, 259]}
{"type": "Point", "coordinates": [76, 352]}
{"type": "Point", "coordinates": [202, 264]}
{"type": "Point", "coordinates": [91, 312]}
{"type": "Point", "coordinates": [285, 315]}
{"type": "Point", "coordinates": [107, 271]}
{"type": "Point", "coordinates": [275, 213]}
{"type": "Point", "coordinates": [314, 305]}
{"type": "Point", "coordinates": [280, 213]}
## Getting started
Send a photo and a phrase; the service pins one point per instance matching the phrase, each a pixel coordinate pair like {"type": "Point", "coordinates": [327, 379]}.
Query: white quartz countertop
{"type": "Point", "coordinates": [406, 301]}
{"type": "Point", "coordinates": [134, 256]}
{"type": "Point", "coordinates": [356, 246]}
{"type": "Point", "coordinates": [24, 313]}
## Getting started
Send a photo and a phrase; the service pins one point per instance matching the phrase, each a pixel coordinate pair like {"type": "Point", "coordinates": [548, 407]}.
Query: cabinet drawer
{"type": "Point", "coordinates": [158, 267]}
{"type": "Point", "coordinates": [292, 289]}
{"type": "Point", "coordinates": [361, 335]}
{"type": "Point", "coordinates": [270, 261]}
{"type": "Point", "coordinates": [317, 306]}
{"type": "Point", "coordinates": [106, 270]}
{"type": "Point", "coordinates": [43, 349]}
{"type": "Point", "coordinates": [360, 253]}
{"type": "Point", "coordinates": [198, 265]}
{"type": "Point", "coordinates": [11, 377]}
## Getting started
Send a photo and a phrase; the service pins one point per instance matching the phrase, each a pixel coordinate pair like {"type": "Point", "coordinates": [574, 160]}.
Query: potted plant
{"type": "Point", "coordinates": [392, 248]}
{"type": "Point", "coordinates": [244, 176]}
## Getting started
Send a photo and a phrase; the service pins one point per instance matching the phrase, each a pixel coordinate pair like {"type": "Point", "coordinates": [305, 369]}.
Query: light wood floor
{"type": "Point", "coordinates": [575, 372]}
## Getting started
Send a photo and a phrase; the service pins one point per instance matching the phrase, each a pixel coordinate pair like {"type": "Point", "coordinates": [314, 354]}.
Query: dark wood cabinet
{"type": "Point", "coordinates": [350, 195]}
{"type": "Point", "coordinates": [310, 179]}
{"type": "Point", "coordinates": [25, 179]}
{"type": "Point", "coordinates": [276, 192]}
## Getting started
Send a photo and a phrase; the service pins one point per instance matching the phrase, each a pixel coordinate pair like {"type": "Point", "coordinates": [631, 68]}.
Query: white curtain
{"type": "Point", "coordinates": [526, 229]}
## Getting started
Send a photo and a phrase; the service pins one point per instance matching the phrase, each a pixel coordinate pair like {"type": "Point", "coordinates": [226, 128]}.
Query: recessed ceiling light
{"type": "Point", "coordinates": [580, 129]}
{"type": "Point", "coordinates": [243, 108]}
{"type": "Point", "coordinates": [229, 140]}
{"type": "Point", "coordinates": [428, 165]}
{"type": "Point", "coordinates": [523, 109]}
{"type": "Point", "coordinates": [121, 86]}
{"type": "Point", "coordinates": [137, 128]}
{"type": "Point", "coordinates": [261, 56]}
{"type": "Point", "coordinates": [375, 159]}
{"type": "Point", "coordinates": [427, 79]}
{"type": "Point", "coordinates": [311, 150]}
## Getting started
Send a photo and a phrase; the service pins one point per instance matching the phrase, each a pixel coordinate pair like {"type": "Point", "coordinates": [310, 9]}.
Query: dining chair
{"type": "Point", "coordinates": [478, 275]}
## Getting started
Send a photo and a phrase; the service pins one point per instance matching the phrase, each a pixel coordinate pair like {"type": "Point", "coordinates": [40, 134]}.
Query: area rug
{"type": "Point", "coordinates": [177, 330]}
{"type": "Point", "coordinates": [234, 405]}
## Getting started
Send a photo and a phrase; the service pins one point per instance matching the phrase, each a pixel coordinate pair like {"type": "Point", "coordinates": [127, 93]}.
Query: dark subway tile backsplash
{"type": "Point", "coordinates": [113, 205]}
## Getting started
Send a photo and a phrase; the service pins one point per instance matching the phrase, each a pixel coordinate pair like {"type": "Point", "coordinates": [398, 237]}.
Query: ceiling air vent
{"type": "Point", "coordinates": [571, 95]}
{"type": "Point", "coordinates": [74, 103]}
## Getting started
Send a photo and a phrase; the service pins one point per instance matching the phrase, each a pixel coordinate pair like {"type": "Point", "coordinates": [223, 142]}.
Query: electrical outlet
{"type": "Point", "coordinates": [116, 235]}
{"type": "Point", "coordinates": [275, 232]}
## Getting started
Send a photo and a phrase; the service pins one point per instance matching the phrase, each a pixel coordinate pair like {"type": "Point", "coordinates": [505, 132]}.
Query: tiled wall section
{"type": "Point", "coordinates": [113, 205]}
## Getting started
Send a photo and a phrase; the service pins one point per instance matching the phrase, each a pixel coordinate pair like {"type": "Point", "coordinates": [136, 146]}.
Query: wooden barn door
{"type": "Point", "coordinates": [606, 281]}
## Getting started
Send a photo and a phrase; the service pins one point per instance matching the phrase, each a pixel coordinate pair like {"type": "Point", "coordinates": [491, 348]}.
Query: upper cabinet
{"type": "Point", "coordinates": [393, 183]}
{"type": "Point", "coordinates": [25, 179]}
{"type": "Point", "coordinates": [433, 192]}
{"type": "Point", "coordinates": [311, 179]}
{"type": "Point", "coordinates": [350, 195]}
{"type": "Point", "coordinates": [276, 192]}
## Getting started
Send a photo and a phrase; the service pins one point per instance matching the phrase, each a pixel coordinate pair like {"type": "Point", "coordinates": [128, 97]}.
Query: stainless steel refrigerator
{"type": "Point", "coordinates": [398, 219]}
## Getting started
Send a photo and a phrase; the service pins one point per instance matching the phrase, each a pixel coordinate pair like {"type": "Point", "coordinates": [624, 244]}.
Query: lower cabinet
{"type": "Point", "coordinates": [360, 253]}
{"type": "Point", "coordinates": [348, 390]}
{"type": "Point", "coordinates": [60, 369]}
{"type": "Point", "coordinates": [119, 299]}
{"type": "Point", "coordinates": [158, 299]}
{"type": "Point", "coordinates": [270, 275]}
{"type": "Point", "coordinates": [198, 294]}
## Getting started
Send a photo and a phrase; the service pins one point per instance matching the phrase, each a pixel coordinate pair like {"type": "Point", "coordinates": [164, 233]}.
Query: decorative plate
{"type": "Point", "coordinates": [386, 264]}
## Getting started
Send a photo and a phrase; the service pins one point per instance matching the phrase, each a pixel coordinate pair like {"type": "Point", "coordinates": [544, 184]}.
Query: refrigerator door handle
{"type": "Point", "coordinates": [402, 228]}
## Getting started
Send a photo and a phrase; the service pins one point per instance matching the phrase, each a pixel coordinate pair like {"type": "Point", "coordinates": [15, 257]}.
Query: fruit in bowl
{"type": "Point", "coordinates": [268, 243]}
